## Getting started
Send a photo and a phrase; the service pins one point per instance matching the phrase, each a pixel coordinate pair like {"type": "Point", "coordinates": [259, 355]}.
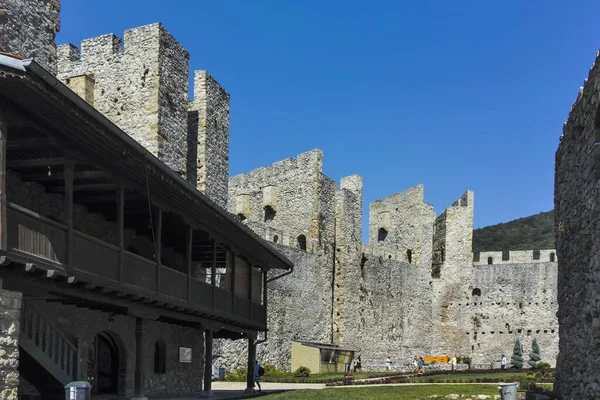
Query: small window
{"type": "Point", "coordinates": [505, 255]}
{"type": "Point", "coordinates": [552, 257]}
{"type": "Point", "coordinates": [269, 213]}
{"type": "Point", "coordinates": [275, 239]}
{"type": "Point", "coordinates": [536, 254]}
{"type": "Point", "coordinates": [490, 260]}
{"type": "Point", "coordinates": [302, 242]}
{"type": "Point", "coordinates": [476, 292]}
{"type": "Point", "coordinates": [409, 256]}
{"type": "Point", "coordinates": [160, 357]}
{"type": "Point", "coordinates": [381, 234]}
{"type": "Point", "coordinates": [476, 256]}
{"type": "Point", "coordinates": [241, 216]}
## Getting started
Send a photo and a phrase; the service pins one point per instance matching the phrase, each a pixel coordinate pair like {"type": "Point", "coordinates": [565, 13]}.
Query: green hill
{"type": "Point", "coordinates": [535, 232]}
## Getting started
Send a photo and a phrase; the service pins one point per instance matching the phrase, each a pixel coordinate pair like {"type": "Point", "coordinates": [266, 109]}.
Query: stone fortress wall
{"type": "Point", "coordinates": [413, 289]}
{"type": "Point", "coordinates": [410, 290]}
{"type": "Point", "coordinates": [141, 84]}
{"type": "Point", "coordinates": [577, 218]}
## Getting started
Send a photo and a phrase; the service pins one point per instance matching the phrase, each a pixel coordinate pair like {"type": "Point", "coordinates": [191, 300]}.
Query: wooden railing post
{"type": "Point", "coordinates": [232, 255]}
{"type": "Point", "coordinates": [3, 222]}
{"type": "Point", "coordinates": [189, 236]}
{"type": "Point", "coordinates": [265, 298]}
{"type": "Point", "coordinates": [250, 271]}
{"type": "Point", "coordinates": [121, 230]}
{"type": "Point", "coordinates": [213, 272]}
{"type": "Point", "coordinates": [69, 172]}
{"type": "Point", "coordinates": [158, 245]}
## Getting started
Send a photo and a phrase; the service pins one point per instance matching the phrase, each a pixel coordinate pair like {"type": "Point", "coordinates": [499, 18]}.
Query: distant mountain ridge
{"type": "Point", "coordinates": [535, 232]}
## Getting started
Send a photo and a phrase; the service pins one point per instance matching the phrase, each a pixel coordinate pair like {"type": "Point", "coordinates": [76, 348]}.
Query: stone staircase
{"type": "Point", "coordinates": [47, 345]}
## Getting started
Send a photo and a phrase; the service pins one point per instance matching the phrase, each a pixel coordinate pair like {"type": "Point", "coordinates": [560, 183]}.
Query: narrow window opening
{"type": "Point", "coordinates": [275, 239]}
{"type": "Point", "coordinates": [490, 260]}
{"type": "Point", "coordinates": [476, 292]}
{"type": "Point", "coordinates": [536, 254]}
{"type": "Point", "coordinates": [505, 255]}
{"type": "Point", "coordinates": [160, 357]}
{"type": "Point", "coordinates": [409, 256]}
{"type": "Point", "coordinates": [476, 256]}
{"type": "Point", "coordinates": [381, 234]}
{"type": "Point", "coordinates": [302, 242]}
{"type": "Point", "coordinates": [241, 216]}
{"type": "Point", "coordinates": [552, 257]}
{"type": "Point", "coordinates": [269, 213]}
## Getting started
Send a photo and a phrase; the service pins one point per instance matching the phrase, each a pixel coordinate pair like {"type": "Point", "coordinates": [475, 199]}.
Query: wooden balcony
{"type": "Point", "coordinates": [34, 239]}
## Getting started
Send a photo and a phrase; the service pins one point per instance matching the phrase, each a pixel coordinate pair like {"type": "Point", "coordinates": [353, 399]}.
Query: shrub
{"type": "Point", "coordinates": [517, 357]}
{"type": "Point", "coordinates": [272, 370]}
{"type": "Point", "coordinates": [237, 375]}
{"type": "Point", "coordinates": [302, 372]}
{"type": "Point", "coordinates": [534, 356]}
{"type": "Point", "coordinates": [543, 367]}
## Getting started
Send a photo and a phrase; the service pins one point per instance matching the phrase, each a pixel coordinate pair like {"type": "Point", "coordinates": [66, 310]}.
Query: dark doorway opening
{"type": "Point", "coordinates": [104, 364]}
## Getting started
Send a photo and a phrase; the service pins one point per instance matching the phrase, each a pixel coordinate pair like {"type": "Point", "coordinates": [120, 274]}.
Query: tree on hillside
{"type": "Point", "coordinates": [534, 356]}
{"type": "Point", "coordinates": [517, 357]}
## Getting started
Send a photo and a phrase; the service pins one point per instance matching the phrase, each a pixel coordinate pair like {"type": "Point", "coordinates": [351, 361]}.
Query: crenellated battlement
{"type": "Point", "coordinates": [514, 257]}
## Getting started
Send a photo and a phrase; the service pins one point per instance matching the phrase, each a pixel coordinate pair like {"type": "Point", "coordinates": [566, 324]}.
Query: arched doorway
{"type": "Point", "coordinates": [105, 364]}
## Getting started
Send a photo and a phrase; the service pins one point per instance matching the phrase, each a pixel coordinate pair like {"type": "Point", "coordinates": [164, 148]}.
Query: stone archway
{"type": "Point", "coordinates": [106, 364]}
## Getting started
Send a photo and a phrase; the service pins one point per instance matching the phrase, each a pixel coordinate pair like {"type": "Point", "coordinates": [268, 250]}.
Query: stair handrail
{"type": "Point", "coordinates": [31, 304]}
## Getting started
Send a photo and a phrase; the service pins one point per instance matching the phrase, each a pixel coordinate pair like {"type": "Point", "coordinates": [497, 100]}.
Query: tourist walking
{"type": "Point", "coordinates": [257, 374]}
{"type": "Point", "coordinates": [421, 365]}
{"type": "Point", "coordinates": [388, 364]}
{"type": "Point", "coordinates": [453, 363]}
{"type": "Point", "coordinates": [503, 362]}
{"type": "Point", "coordinates": [415, 364]}
{"type": "Point", "coordinates": [357, 365]}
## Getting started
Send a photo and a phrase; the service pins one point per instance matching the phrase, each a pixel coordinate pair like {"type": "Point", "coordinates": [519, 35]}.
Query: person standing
{"type": "Point", "coordinates": [415, 365]}
{"type": "Point", "coordinates": [357, 365]}
{"type": "Point", "coordinates": [503, 362]}
{"type": "Point", "coordinates": [453, 363]}
{"type": "Point", "coordinates": [388, 364]}
{"type": "Point", "coordinates": [257, 375]}
{"type": "Point", "coordinates": [421, 365]}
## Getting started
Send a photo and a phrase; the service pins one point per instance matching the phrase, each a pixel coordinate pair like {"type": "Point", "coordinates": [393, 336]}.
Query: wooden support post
{"type": "Point", "coordinates": [250, 270]}
{"type": "Point", "coordinates": [265, 298]}
{"type": "Point", "coordinates": [233, 258]}
{"type": "Point", "coordinates": [189, 236]}
{"type": "Point", "coordinates": [158, 244]}
{"type": "Point", "coordinates": [121, 230]}
{"type": "Point", "coordinates": [250, 373]}
{"type": "Point", "coordinates": [138, 390]}
{"type": "Point", "coordinates": [69, 172]}
{"type": "Point", "coordinates": [208, 338]}
{"type": "Point", "coordinates": [3, 200]}
{"type": "Point", "coordinates": [213, 272]}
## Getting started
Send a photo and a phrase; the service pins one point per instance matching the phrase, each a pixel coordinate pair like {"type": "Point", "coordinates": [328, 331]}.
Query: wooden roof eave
{"type": "Point", "coordinates": [114, 150]}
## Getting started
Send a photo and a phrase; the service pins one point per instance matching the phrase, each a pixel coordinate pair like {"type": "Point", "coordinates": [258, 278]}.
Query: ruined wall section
{"type": "Point", "coordinates": [577, 219]}
{"type": "Point", "coordinates": [141, 87]}
{"type": "Point", "coordinates": [514, 257]}
{"type": "Point", "coordinates": [403, 222]}
{"type": "Point", "coordinates": [299, 308]}
{"type": "Point", "coordinates": [348, 254]}
{"type": "Point", "coordinates": [208, 125]}
{"type": "Point", "coordinates": [28, 29]}
{"type": "Point", "coordinates": [291, 197]}
{"type": "Point", "coordinates": [10, 309]}
{"type": "Point", "coordinates": [391, 313]}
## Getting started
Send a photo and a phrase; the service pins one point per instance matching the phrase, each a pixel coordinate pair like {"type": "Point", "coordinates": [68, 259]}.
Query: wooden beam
{"type": "Point", "coordinates": [57, 176]}
{"type": "Point", "coordinates": [33, 143]}
{"type": "Point", "coordinates": [69, 168]}
{"type": "Point", "coordinates": [88, 187]}
{"type": "Point", "coordinates": [38, 162]}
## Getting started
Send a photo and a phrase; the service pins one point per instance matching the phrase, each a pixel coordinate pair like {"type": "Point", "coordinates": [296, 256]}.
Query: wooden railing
{"type": "Point", "coordinates": [44, 241]}
{"type": "Point", "coordinates": [46, 344]}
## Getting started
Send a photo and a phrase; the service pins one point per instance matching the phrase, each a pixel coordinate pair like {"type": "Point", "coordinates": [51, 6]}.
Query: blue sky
{"type": "Point", "coordinates": [455, 95]}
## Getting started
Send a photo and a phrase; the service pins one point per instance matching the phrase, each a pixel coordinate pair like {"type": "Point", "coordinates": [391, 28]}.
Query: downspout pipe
{"type": "Point", "coordinates": [266, 300]}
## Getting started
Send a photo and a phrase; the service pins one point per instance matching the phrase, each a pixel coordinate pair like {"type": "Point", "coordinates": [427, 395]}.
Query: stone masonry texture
{"type": "Point", "coordinates": [28, 28]}
{"type": "Point", "coordinates": [577, 219]}
{"type": "Point", "coordinates": [209, 129]}
{"type": "Point", "coordinates": [140, 84]}
{"type": "Point", "coordinates": [10, 316]}
{"type": "Point", "coordinates": [369, 296]}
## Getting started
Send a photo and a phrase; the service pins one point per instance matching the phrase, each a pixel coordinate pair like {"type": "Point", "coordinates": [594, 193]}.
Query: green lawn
{"type": "Point", "coordinates": [289, 377]}
{"type": "Point", "coordinates": [498, 376]}
{"type": "Point", "coordinates": [387, 392]}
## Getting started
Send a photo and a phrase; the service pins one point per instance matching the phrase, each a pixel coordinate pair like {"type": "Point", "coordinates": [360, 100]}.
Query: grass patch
{"type": "Point", "coordinates": [289, 377]}
{"type": "Point", "coordinates": [387, 392]}
{"type": "Point", "coordinates": [469, 378]}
